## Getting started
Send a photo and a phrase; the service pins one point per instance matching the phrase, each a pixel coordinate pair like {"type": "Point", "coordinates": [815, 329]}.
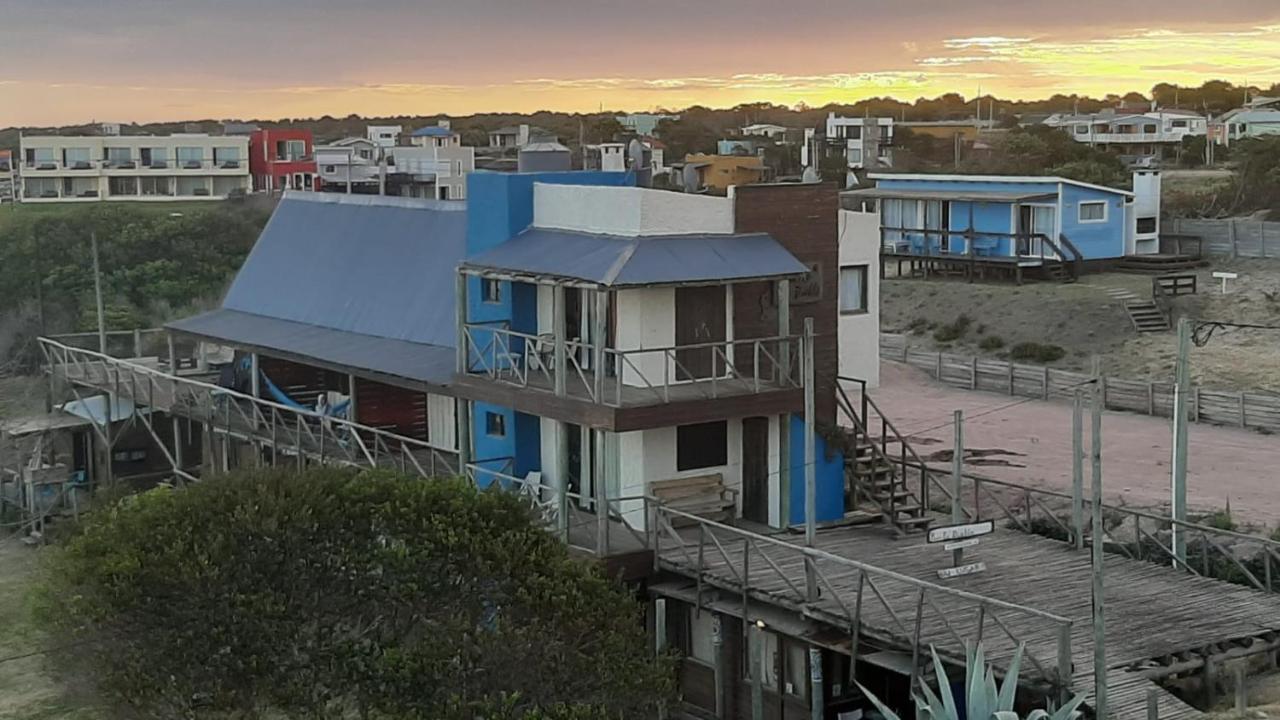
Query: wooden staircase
{"type": "Point", "coordinates": [1056, 272]}
{"type": "Point", "coordinates": [1146, 316]}
{"type": "Point", "coordinates": [871, 477]}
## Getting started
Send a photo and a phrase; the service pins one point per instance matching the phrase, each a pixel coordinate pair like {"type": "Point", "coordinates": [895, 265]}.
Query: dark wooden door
{"type": "Point", "coordinates": [699, 319]}
{"type": "Point", "coordinates": [755, 469]}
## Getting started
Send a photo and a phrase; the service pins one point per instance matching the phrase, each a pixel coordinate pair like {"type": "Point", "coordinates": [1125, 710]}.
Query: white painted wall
{"type": "Point", "coordinates": [1146, 204]}
{"type": "Point", "coordinates": [628, 211]}
{"type": "Point", "coordinates": [646, 320]}
{"type": "Point", "coordinates": [860, 333]}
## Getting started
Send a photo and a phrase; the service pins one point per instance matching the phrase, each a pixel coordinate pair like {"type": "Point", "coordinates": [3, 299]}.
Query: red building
{"type": "Point", "coordinates": [281, 159]}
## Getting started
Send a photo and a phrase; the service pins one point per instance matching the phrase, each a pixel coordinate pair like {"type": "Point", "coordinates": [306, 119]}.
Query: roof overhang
{"type": "Point", "coordinates": [887, 193]}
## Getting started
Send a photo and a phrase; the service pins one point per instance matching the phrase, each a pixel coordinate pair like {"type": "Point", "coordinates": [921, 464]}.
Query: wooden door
{"type": "Point", "coordinates": [755, 469]}
{"type": "Point", "coordinates": [700, 318]}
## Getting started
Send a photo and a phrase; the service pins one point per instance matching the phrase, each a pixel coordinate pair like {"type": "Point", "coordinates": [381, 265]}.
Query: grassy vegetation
{"type": "Point", "coordinates": [1036, 352]}
{"type": "Point", "coordinates": [28, 691]}
{"type": "Point", "coordinates": [15, 214]}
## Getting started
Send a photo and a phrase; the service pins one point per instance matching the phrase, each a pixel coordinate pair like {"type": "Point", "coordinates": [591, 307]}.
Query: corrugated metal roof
{"type": "Point", "coordinates": [348, 271]}
{"type": "Point", "coordinates": [432, 364]}
{"type": "Point", "coordinates": [432, 131]}
{"type": "Point", "coordinates": [958, 196]}
{"type": "Point", "coordinates": [651, 260]}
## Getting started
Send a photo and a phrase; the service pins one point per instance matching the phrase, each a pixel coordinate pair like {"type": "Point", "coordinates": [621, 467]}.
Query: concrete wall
{"type": "Point", "coordinates": [646, 318]}
{"type": "Point", "coordinates": [629, 211]}
{"type": "Point", "coordinates": [860, 332]}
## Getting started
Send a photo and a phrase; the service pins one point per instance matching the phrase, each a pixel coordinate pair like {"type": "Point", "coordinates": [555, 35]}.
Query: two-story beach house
{"type": "Point", "coordinates": [1048, 227]}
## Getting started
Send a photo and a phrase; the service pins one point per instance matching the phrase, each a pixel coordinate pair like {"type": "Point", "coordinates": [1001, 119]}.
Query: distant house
{"type": "Point", "coordinates": [1138, 138]}
{"type": "Point", "coordinates": [1006, 224]}
{"type": "Point", "coordinates": [644, 123]}
{"type": "Point", "coordinates": [607, 157]}
{"type": "Point", "coordinates": [349, 165]}
{"type": "Point", "coordinates": [517, 136]}
{"type": "Point", "coordinates": [8, 189]}
{"type": "Point", "coordinates": [742, 145]}
{"type": "Point", "coordinates": [866, 142]}
{"type": "Point", "coordinates": [773, 132]}
{"type": "Point", "coordinates": [281, 159]}
{"type": "Point", "coordinates": [717, 173]}
{"type": "Point", "coordinates": [1258, 118]}
{"type": "Point", "coordinates": [384, 135]}
{"type": "Point", "coordinates": [545, 156]}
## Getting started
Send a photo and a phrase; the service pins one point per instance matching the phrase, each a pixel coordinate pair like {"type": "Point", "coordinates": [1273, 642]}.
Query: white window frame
{"type": "Point", "coordinates": [1080, 212]}
{"type": "Point", "coordinates": [488, 284]}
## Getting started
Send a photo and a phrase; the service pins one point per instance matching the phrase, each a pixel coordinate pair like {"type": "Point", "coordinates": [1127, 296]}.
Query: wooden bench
{"type": "Point", "coordinates": [702, 495]}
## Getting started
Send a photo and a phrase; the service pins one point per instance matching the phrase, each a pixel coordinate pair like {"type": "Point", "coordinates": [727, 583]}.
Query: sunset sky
{"type": "Point", "coordinates": [71, 61]}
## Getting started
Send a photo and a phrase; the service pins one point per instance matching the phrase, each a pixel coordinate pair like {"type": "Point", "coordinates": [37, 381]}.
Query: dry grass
{"type": "Point", "coordinates": [28, 691]}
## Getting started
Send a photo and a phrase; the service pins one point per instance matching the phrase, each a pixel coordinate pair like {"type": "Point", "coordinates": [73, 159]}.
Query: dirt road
{"type": "Point", "coordinates": [1225, 464]}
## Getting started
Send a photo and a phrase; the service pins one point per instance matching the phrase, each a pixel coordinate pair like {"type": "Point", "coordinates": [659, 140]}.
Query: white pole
{"type": "Point", "coordinates": [1178, 480]}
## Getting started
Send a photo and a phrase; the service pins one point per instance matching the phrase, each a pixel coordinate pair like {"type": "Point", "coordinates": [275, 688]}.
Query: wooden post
{"type": "Point", "coordinates": [1231, 235]}
{"type": "Point", "coordinates": [1099, 616]}
{"type": "Point", "coordinates": [1077, 468]}
{"type": "Point", "coordinates": [1151, 399]}
{"type": "Point", "coordinates": [957, 475]}
{"type": "Point", "coordinates": [599, 330]}
{"type": "Point", "coordinates": [601, 491]}
{"type": "Point", "coordinates": [460, 317]}
{"type": "Point", "coordinates": [1153, 705]}
{"type": "Point", "coordinates": [817, 708]}
{"type": "Point", "coordinates": [973, 374]}
{"type": "Point", "coordinates": [558, 332]}
{"type": "Point", "coordinates": [1011, 378]}
{"type": "Point", "coordinates": [1210, 680]}
{"type": "Point", "coordinates": [1064, 662]}
{"type": "Point", "coordinates": [1045, 382]}
{"type": "Point", "coordinates": [137, 342]}
{"type": "Point", "coordinates": [784, 420]}
{"type": "Point", "coordinates": [717, 656]}
{"type": "Point", "coordinates": [1242, 690]}
{"type": "Point", "coordinates": [660, 625]}
{"type": "Point", "coordinates": [1179, 465]}
{"type": "Point", "coordinates": [1195, 409]}
{"type": "Point", "coordinates": [810, 461]}
{"type": "Point", "coordinates": [1244, 421]}
{"type": "Point", "coordinates": [938, 367]}
{"type": "Point", "coordinates": [756, 647]}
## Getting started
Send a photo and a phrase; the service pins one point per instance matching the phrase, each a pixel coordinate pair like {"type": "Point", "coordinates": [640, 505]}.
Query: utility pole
{"type": "Point", "coordinates": [97, 293]}
{"type": "Point", "coordinates": [810, 459]}
{"type": "Point", "coordinates": [1181, 389]}
{"type": "Point", "coordinates": [1097, 533]}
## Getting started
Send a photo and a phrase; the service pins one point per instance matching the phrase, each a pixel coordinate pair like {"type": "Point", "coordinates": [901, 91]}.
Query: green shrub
{"type": "Point", "coordinates": [918, 326]}
{"type": "Point", "coordinates": [1220, 519]}
{"type": "Point", "coordinates": [954, 330]}
{"type": "Point", "coordinates": [991, 342]}
{"type": "Point", "coordinates": [334, 593]}
{"type": "Point", "coordinates": [1036, 352]}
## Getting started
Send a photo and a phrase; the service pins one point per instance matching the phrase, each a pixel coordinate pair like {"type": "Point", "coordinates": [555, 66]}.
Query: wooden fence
{"type": "Point", "coordinates": [1237, 237]}
{"type": "Point", "coordinates": [1219, 407]}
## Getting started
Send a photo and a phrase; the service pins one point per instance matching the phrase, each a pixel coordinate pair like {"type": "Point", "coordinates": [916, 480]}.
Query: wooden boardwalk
{"type": "Point", "coordinates": [1152, 611]}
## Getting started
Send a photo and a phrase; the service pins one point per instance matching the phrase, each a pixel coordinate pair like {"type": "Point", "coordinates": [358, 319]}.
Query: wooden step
{"type": "Point", "coordinates": [914, 521]}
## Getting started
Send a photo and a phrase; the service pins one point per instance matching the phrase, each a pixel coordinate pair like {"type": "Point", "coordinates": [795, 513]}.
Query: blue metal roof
{"type": "Point", "coordinates": [647, 260]}
{"type": "Point", "coordinates": [350, 270]}
{"type": "Point", "coordinates": [431, 364]}
{"type": "Point", "coordinates": [431, 131]}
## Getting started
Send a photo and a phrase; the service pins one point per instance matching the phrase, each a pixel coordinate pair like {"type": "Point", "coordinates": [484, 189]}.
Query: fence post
{"type": "Point", "coordinates": [1243, 419]}
{"type": "Point", "coordinates": [1064, 661]}
{"type": "Point", "coordinates": [137, 342]}
{"type": "Point", "coordinates": [1046, 382]}
{"type": "Point", "coordinates": [1242, 690]}
{"type": "Point", "coordinates": [1151, 399]}
{"type": "Point", "coordinates": [905, 347]}
{"type": "Point", "coordinates": [1196, 401]}
{"type": "Point", "coordinates": [939, 366]}
{"type": "Point", "coordinates": [1231, 235]}
{"type": "Point", "coordinates": [1011, 378]}
{"type": "Point", "coordinates": [973, 378]}
{"type": "Point", "coordinates": [1153, 707]}
{"type": "Point", "coordinates": [1102, 379]}
{"type": "Point", "coordinates": [1262, 239]}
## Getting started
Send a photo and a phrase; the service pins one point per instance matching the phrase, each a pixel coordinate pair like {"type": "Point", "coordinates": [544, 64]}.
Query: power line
{"type": "Point", "coordinates": [999, 408]}
{"type": "Point", "coordinates": [1203, 330]}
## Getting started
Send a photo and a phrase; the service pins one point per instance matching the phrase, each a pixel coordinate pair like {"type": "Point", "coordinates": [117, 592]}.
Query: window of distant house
{"type": "Point", "coordinates": [1146, 225]}
{"type": "Point", "coordinates": [329, 168]}
{"type": "Point", "coordinates": [1180, 123]}
{"type": "Point", "coordinates": [704, 445]}
{"type": "Point", "coordinates": [853, 132]}
{"type": "Point", "coordinates": [1082, 129]}
{"type": "Point", "coordinates": [491, 290]}
{"type": "Point", "coordinates": [700, 644]}
{"type": "Point", "coordinates": [1149, 128]}
{"type": "Point", "coordinates": [853, 289]}
{"type": "Point", "coordinates": [495, 424]}
{"type": "Point", "coordinates": [855, 155]}
{"type": "Point", "coordinates": [1093, 212]}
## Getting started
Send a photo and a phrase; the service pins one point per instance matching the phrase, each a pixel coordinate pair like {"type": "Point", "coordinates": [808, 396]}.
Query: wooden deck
{"type": "Point", "coordinates": [1152, 611]}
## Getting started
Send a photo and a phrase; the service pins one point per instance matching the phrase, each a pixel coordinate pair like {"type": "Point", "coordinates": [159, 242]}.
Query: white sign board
{"type": "Point", "coordinates": [961, 544]}
{"type": "Point", "coordinates": [947, 533]}
{"type": "Point", "coordinates": [956, 572]}
{"type": "Point", "coordinates": [1224, 277]}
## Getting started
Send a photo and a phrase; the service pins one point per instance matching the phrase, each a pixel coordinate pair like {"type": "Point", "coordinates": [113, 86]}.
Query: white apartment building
{"type": "Point", "coordinates": [56, 168]}
{"type": "Point", "coordinates": [1137, 137]}
{"type": "Point", "coordinates": [383, 135]}
{"type": "Point", "coordinates": [867, 141]}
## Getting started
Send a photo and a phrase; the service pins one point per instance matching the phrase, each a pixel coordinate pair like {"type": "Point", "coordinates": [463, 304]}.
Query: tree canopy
{"type": "Point", "coordinates": [344, 594]}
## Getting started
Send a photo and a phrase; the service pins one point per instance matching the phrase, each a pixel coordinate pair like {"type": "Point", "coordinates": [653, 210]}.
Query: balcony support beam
{"type": "Point", "coordinates": [558, 332]}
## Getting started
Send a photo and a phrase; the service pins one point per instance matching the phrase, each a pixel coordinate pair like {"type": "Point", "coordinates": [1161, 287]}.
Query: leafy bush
{"type": "Point", "coordinates": [333, 593]}
{"type": "Point", "coordinates": [1036, 352]}
{"type": "Point", "coordinates": [991, 342]}
{"type": "Point", "coordinates": [953, 330]}
{"type": "Point", "coordinates": [1220, 519]}
{"type": "Point", "coordinates": [918, 326]}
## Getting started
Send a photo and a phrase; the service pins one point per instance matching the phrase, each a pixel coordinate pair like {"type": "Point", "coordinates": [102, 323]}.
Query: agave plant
{"type": "Point", "coordinates": [983, 699]}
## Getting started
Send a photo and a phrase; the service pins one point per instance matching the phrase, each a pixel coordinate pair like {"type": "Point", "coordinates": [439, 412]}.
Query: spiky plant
{"type": "Point", "coordinates": [984, 700]}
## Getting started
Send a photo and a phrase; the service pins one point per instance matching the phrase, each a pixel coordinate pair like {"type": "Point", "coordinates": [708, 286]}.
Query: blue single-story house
{"type": "Point", "coordinates": [1012, 220]}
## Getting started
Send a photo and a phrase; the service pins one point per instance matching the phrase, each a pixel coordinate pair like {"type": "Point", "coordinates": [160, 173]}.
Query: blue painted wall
{"type": "Point", "coordinates": [829, 477]}
{"type": "Point", "coordinates": [500, 206]}
{"type": "Point", "coordinates": [1095, 240]}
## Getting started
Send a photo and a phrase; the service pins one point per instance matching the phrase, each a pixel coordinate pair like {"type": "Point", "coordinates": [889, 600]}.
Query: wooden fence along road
{"type": "Point", "coordinates": [1219, 407]}
{"type": "Point", "coordinates": [1235, 237]}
